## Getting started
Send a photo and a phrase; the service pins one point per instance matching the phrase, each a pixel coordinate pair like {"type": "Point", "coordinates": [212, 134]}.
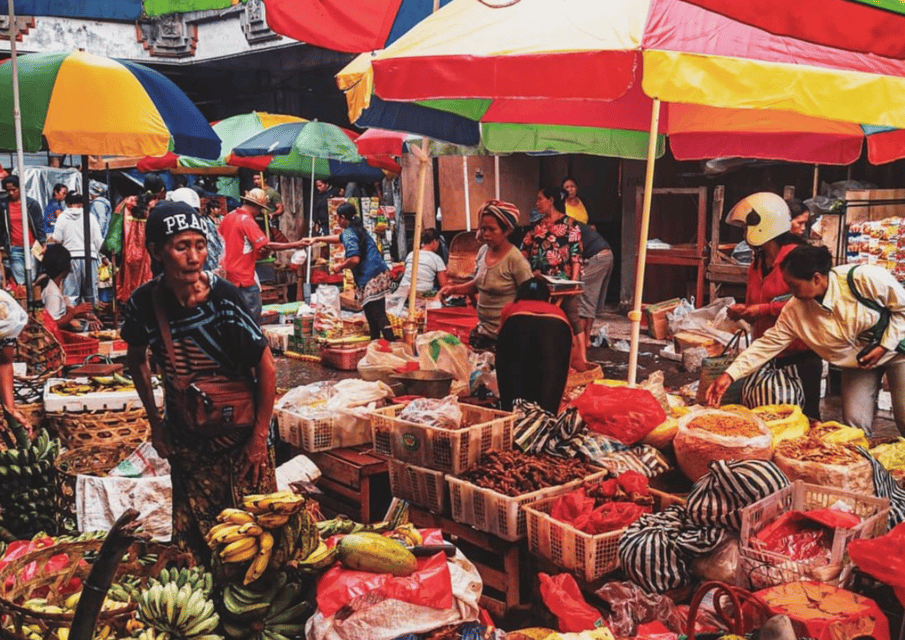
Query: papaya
{"type": "Point", "coordinates": [366, 551]}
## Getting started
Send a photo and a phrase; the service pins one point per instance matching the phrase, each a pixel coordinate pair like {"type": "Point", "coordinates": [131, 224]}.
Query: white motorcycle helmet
{"type": "Point", "coordinates": [763, 215]}
{"type": "Point", "coordinates": [186, 195]}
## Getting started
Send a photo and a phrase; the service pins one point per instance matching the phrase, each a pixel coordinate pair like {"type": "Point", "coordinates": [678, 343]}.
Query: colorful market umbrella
{"type": "Point", "coordinates": [564, 63]}
{"type": "Point", "coordinates": [81, 103]}
{"type": "Point", "coordinates": [318, 149]}
{"type": "Point", "coordinates": [867, 26]}
{"type": "Point", "coordinates": [123, 10]}
{"type": "Point", "coordinates": [353, 26]}
{"type": "Point", "coordinates": [160, 7]}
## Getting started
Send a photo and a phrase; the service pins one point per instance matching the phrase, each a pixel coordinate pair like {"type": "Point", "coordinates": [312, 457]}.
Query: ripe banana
{"type": "Point", "coordinates": [240, 550]}
{"type": "Point", "coordinates": [272, 520]}
{"type": "Point", "coordinates": [261, 559]}
{"type": "Point", "coordinates": [236, 516]}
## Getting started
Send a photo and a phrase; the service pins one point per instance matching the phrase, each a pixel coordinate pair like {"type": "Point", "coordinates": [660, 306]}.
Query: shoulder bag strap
{"type": "Point", "coordinates": [876, 332]}
{"type": "Point", "coordinates": [165, 334]}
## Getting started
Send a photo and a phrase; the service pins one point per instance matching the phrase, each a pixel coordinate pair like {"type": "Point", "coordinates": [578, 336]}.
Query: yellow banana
{"type": "Point", "coordinates": [240, 550]}
{"type": "Point", "coordinates": [250, 529]}
{"type": "Point", "coordinates": [273, 520]}
{"type": "Point", "coordinates": [236, 516]}
{"type": "Point", "coordinates": [223, 534]}
{"type": "Point", "coordinates": [287, 505]}
{"type": "Point", "coordinates": [257, 567]}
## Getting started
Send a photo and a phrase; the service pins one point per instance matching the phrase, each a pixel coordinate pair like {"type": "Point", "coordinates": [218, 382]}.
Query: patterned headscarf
{"type": "Point", "coordinates": [506, 213]}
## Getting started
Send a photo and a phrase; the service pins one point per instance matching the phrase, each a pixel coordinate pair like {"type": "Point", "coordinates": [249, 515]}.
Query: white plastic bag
{"type": "Point", "coordinates": [711, 321]}
{"type": "Point", "coordinates": [441, 351]}
{"type": "Point", "coordinates": [435, 412]}
{"type": "Point", "coordinates": [144, 462]}
{"type": "Point", "coordinates": [12, 317]}
{"type": "Point", "coordinates": [399, 355]}
{"type": "Point", "coordinates": [299, 258]}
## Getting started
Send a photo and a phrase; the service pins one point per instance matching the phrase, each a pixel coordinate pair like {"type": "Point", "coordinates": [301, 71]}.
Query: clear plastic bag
{"type": "Point", "coordinates": [444, 412]}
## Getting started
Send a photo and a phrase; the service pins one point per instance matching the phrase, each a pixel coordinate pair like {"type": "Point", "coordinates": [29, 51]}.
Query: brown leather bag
{"type": "Point", "coordinates": [213, 405]}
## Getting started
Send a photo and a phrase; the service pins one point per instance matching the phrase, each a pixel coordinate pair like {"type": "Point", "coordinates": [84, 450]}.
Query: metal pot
{"type": "Point", "coordinates": [430, 384]}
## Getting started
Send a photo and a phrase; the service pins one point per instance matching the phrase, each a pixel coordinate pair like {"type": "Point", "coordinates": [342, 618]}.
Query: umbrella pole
{"type": "Point", "coordinates": [423, 160]}
{"type": "Point", "coordinates": [635, 313]}
{"type": "Point", "coordinates": [467, 194]}
{"type": "Point", "coordinates": [266, 217]}
{"type": "Point", "coordinates": [20, 154]}
{"type": "Point", "coordinates": [307, 287]}
{"type": "Point", "coordinates": [86, 229]}
{"type": "Point", "coordinates": [496, 174]}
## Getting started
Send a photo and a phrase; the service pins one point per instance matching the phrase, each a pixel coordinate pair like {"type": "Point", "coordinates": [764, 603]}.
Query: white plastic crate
{"type": "Point", "coordinates": [97, 401]}
{"type": "Point", "coordinates": [421, 487]}
{"type": "Point", "coordinates": [449, 450]}
{"type": "Point", "coordinates": [590, 557]}
{"type": "Point", "coordinates": [495, 513]}
{"type": "Point", "coordinates": [323, 433]}
{"type": "Point", "coordinates": [765, 569]}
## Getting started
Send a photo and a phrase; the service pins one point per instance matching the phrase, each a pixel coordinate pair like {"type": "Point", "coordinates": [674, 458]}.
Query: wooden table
{"type": "Point", "coordinates": [502, 564]}
{"type": "Point", "coordinates": [355, 481]}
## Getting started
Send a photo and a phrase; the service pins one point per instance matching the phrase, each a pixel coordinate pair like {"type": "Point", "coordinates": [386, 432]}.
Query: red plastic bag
{"type": "Point", "coordinates": [564, 600]}
{"type": "Point", "coordinates": [883, 558]}
{"type": "Point", "coordinates": [20, 548]}
{"type": "Point", "coordinates": [654, 631]}
{"type": "Point", "coordinates": [625, 414]}
{"type": "Point", "coordinates": [429, 586]}
{"type": "Point", "coordinates": [795, 536]}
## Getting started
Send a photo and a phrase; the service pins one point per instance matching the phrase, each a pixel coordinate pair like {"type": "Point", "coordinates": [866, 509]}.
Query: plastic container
{"type": "Point", "coordinates": [111, 348]}
{"type": "Point", "coordinates": [589, 557]}
{"type": "Point", "coordinates": [100, 400]}
{"type": "Point", "coordinates": [501, 515]}
{"type": "Point", "coordinates": [448, 450]}
{"type": "Point", "coordinates": [766, 569]}
{"type": "Point", "coordinates": [78, 347]}
{"type": "Point", "coordinates": [344, 359]}
{"type": "Point", "coordinates": [321, 434]}
{"type": "Point", "coordinates": [421, 487]}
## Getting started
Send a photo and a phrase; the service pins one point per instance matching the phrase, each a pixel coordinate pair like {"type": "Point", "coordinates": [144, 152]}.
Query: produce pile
{"type": "Point", "coordinates": [514, 473]}
{"type": "Point", "coordinates": [178, 605]}
{"type": "Point", "coordinates": [27, 476]}
{"type": "Point", "coordinates": [94, 384]}
{"type": "Point", "coordinates": [604, 506]}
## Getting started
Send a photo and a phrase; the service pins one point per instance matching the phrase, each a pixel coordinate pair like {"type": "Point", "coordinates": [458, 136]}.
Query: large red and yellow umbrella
{"type": "Point", "coordinates": [556, 69]}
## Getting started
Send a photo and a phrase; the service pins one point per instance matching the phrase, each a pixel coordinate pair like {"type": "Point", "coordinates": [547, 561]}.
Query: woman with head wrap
{"type": "Point", "coordinates": [499, 269]}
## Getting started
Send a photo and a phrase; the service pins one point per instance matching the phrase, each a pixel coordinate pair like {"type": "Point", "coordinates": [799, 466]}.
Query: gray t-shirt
{"type": "Point", "coordinates": [429, 265]}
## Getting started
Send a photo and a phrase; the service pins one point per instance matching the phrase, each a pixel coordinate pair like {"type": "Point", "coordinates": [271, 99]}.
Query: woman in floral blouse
{"type": "Point", "coordinates": [553, 248]}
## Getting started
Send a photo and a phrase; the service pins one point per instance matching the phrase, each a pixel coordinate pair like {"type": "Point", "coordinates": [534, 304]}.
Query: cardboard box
{"type": "Point", "coordinates": [689, 339]}
{"type": "Point", "coordinates": [657, 326]}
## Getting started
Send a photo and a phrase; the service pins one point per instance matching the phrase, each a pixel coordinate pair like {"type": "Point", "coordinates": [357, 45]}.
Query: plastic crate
{"type": "Point", "coordinates": [421, 487]}
{"type": "Point", "coordinates": [344, 359]}
{"type": "Point", "coordinates": [96, 401]}
{"type": "Point", "coordinates": [78, 347]}
{"type": "Point", "coordinates": [766, 569]}
{"type": "Point", "coordinates": [588, 556]}
{"type": "Point", "coordinates": [321, 434]}
{"type": "Point", "coordinates": [449, 450]}
{"type": "Point", "coordinates": [503, 516]}
{"type": "Point", "coordinates": [112, 348]}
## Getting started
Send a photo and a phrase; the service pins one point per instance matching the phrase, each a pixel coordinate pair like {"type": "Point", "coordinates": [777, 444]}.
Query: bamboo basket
{"type": "Point", "coordinates": [143, 559]}
{"type": "Point", "coordinates": [85, 428]}
{"type": "Point", "coordinates": [42, 353]}
{"type": "Point", "coordinates": [95, 460]}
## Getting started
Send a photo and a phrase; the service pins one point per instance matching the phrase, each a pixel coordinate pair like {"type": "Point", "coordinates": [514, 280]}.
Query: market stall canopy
{"type": "Point", "coordinates": [123, 108]}
{"type": "Point", "coordinates": [231, 131]}
{"type": "Point", "coordinates": [160, 7]}
{"type": "Point", "coordinates": [124, 10]}
{"type": "Point", "coordinates": [353, 26]}
{"type": "Point", "coordinates": [306, 149]}
{"type": "Point", "coordinates": [868, 26]}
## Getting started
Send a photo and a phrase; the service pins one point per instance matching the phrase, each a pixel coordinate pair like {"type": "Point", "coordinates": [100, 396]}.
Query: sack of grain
{"type": "Point", "coordinates": [713, 434]}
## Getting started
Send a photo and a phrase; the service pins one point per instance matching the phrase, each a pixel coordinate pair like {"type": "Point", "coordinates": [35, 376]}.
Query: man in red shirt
{"type": "Point", "coordinates": [243, 243]}
{"type": "Point", "coordinates": [11, 236]}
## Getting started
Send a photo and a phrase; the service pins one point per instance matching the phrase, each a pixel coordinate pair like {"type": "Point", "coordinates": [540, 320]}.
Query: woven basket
{"type": "Point", "coordinates": [42, 353]}
{"type": "Point", "coordinates": [84, 428]}
{"type": "Point", "coordinates": [95, 460]}
{"type": "Point", "coordinates": [142, 559]}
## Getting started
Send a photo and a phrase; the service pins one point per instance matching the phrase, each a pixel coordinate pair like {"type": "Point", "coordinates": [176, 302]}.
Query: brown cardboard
{"type": "Point", "coordinates": [688, 339]}
{"type": "Point", "coordinates": [657, 325]}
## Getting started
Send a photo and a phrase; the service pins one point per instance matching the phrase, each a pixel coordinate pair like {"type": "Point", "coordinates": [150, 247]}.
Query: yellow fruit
{"type": "Point", "coordinates": [366, 551]}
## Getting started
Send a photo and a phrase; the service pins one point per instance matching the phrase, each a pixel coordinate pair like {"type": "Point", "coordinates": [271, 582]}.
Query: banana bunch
{"type": "Point", "coordinates": [242, 539]}
{"type": "Point", "coordinates": [27, 477]}
{"type": "Point", "coordinates": [298, 538]}
{"type": "Point", "coordinates": [407, 535]}
{"type": "Point", "coordinates": [82, 537]}
{"type": "Point", "coordinates": [322, 557]}
{"type": "Point", "coordinates": [344, 524]}
{"type": "Point", "coordinates": [276, 613]}
{"type": "Point", "coordinates": [273, 509]}
{"type": "Point", "coordinates": [177, 611]}
{"type": "Point", "coordinates": [116, 382]}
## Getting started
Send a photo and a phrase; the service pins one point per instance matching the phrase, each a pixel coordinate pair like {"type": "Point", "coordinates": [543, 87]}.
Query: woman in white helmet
{"type": "Point", "coordinates": [767, 221]}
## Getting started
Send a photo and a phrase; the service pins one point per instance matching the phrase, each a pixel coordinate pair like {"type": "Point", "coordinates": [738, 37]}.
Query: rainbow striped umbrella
{"type": "Point", "coordinates": [867, 26]}
{"type": "Point", "coordinates": [81, 103]}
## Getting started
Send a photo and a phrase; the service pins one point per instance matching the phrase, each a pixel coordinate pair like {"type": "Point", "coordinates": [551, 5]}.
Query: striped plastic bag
{"type": "Point", "coordinates": [773, 385]}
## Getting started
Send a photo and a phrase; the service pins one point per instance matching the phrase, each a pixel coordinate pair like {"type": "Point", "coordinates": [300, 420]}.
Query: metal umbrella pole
{"type": "Point", "coordinates": [20, 154]}
{"type": "Point", "coordinates": [307, 287]}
